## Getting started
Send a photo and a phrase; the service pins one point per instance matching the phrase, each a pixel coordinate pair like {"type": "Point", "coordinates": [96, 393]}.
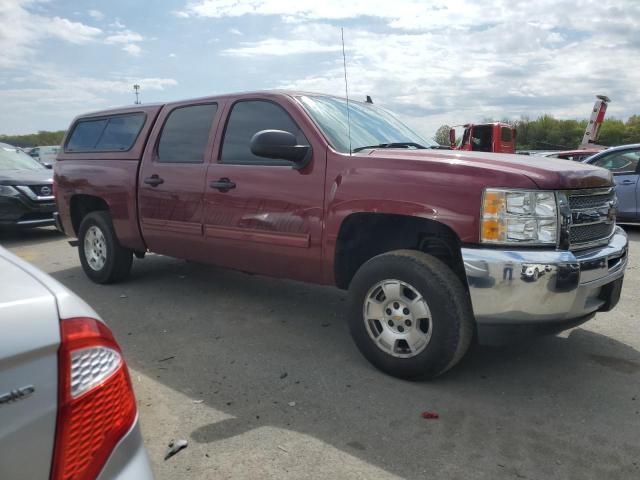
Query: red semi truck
{"type": "Point", "coordinates": [495, 137]}
{"type": "Point", "coordinates": [430, 243]}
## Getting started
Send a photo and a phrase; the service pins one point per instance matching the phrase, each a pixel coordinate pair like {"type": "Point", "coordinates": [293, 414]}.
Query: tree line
{"type": "Point", "coordinates": [544, 133]}
{"type": "Point", "coordinates": [548, 133]}
{"type": "Point", "coordinates": [34, 139]}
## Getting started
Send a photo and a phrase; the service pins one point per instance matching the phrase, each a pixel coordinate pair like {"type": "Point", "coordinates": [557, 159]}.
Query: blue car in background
{"type": "Point", "coordinates": [624, 163]}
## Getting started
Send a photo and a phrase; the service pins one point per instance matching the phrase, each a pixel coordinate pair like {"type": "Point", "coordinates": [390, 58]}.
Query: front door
{"type": "Point", "coordinates": [264, 215]}
{"type": "Point", "coordinates": [171, 180]}
{"type": "Point", "coordinates": [625, 166]}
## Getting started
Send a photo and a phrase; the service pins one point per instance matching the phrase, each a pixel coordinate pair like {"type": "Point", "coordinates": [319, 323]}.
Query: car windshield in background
{"type": "Point", "coordinates": [370, 125]}
{"type": "Point", "coordinates": [12, 158]}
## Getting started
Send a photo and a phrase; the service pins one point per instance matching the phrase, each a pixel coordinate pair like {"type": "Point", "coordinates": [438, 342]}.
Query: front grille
{"type": "Point", "coordinates": [578, 202]}
{"type": "Point", "coordinates": [590, 233]}
{"type": "Point", "coordinates": [591, 220]}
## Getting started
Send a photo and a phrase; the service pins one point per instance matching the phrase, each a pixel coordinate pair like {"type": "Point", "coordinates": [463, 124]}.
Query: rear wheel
{"type": "Point", "coordinates": [102, 257]}
{"type": "Point", "coordinates": [409, 314]}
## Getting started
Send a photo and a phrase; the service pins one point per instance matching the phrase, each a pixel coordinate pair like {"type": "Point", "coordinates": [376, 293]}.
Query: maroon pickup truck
{"type": "Point", "coordinates": [434, 246]}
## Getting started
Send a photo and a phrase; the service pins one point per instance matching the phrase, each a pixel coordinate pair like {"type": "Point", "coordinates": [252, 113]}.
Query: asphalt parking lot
{"type": "Point", "coordinates": [263, 380]}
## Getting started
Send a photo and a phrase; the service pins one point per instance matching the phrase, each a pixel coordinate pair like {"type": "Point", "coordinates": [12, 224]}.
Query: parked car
{"type": "Point", "coordinates": [26, 190]}
{"type": "Point", "coordinates": [67, 409]}
{"type": "Point", "coordinates": [45, 154]}
{"type": "Point", "coordinates": [288, 184]}
{"type": "Point", "coordinates": [575, 155]}
{"type": "Point", "coordinates": [624, 163]}
{"type": "Point", "coordinates": [534, 272]}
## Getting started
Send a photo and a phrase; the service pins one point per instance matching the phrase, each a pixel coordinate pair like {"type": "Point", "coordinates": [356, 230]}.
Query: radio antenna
{"type": "Point", "coordinates": [346, 88]}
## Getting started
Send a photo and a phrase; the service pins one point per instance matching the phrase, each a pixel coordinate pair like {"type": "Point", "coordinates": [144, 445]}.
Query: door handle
{"type": "Point", "coordinates": [223, 184]}
{"type": "Point", "coordinates": [153, 180]}
{"type": "Point", "coordinates": [627, 182]}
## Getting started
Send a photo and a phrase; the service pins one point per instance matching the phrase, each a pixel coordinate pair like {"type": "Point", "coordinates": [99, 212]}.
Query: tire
{"type": "Point", "coordinates": [107, 260]}
{"type": "Point", "coordinates": [447, 326]}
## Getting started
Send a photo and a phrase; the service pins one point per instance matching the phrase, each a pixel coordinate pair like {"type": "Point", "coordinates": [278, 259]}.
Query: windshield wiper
{"type": "Point", "coordinates": [391, 145]}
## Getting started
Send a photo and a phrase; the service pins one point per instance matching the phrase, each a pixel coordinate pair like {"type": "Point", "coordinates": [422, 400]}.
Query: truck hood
{"type": "Point", "coordinates": [546, 173]}
{"type": "Point", "coordinates": [26, 177]}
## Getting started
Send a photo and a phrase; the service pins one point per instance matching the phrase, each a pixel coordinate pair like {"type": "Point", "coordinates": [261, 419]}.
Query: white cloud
{"type": "Point", "coordinates": [117, 24]}
{"type": "Point", "coordinates": [277, 47]}
{"type": "Point", "coordinates": [73, 32]}
{"type": "Point", "coordinates": [180, 14]}
{"type": "Point", "coordinates": [22, 31]}
{"type": "Point", "coordinates": [96, 14]}
{"type": "Point", "coordinates": [127, 39]}
{"type": "Point", "coordinates": [235, 31]}
{"type": "Point", "coordinates": [124, 36]}
{"type": "Point", "coordinates": [132, 49]}
{"type": "Point", "coordinates": [454, 61]}
{"type": "Point", "coordinates": [58, 98]}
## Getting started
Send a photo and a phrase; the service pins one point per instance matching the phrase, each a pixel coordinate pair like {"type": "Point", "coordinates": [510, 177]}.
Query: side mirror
{"type": "Point", "coordinates": [452, 137]}
{"type": "Point", "coordinates": [47, 165]}
{"type": "Point", "coordinates": [279, 145]}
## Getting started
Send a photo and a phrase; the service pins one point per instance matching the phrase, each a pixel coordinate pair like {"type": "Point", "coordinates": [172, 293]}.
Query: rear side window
{"type": "Point", "coordinates": [505, 134]}
{"type": "Point", "coordinates": [185, 134]}
{"type": "Point", "coordinates": [246, 119]}
{"type": "Point", "coordinates": [108, 134]}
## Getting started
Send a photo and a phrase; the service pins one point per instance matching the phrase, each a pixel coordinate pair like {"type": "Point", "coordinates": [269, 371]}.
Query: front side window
{"type": "Point", "coordinates": [370, 125]}
{"type": "Point", "coordinates": [246, 119]}
{"type": "Point", "coordinates": [185, 134]}
{"type": "Point", "coordinates": [117, 133]}
{"type": "Point", "coordinates": [620, 162]}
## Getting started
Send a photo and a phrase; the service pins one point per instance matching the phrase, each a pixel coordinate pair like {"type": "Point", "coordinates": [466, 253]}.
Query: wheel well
{"type": "Point", "coordinates": [82, 205]}
{"type": "Point", "coordinates": [364, 235]}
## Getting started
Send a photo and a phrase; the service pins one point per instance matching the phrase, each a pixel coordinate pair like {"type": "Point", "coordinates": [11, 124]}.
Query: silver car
{"type": "Point", "coordinates": [67, 409]}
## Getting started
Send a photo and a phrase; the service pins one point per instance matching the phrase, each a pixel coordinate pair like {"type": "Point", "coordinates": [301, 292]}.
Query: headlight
{"type": "Point", "coordinates": [8, 191]}
{"type": "Point", "coordinates": [519, 216]}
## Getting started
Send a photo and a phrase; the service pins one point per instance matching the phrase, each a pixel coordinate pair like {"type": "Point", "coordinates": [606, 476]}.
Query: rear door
{"type": "Point", "coordinates": [269, 217]}
{"type": "Point", "coordinates": [172, 178]}
{"type": "Point", "coordinates": [625, 166]}
{"type": "Point", "coordinates": [28, 374]}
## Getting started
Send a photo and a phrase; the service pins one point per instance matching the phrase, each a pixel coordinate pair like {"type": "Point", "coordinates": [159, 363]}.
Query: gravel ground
{"type": "Point", "coordinates": [263, 380]}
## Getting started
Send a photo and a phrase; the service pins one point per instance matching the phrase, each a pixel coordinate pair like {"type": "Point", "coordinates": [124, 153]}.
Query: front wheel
{"type": "Point", "coordinates": [409, 314]}
{"type": "Point", "coordinates": [102, 257]}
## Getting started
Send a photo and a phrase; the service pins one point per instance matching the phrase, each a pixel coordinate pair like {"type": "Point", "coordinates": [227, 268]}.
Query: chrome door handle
{"type": "Point", "coordinates": [153, 180]}
{"type": "Point", "coordinates": [223, 184]}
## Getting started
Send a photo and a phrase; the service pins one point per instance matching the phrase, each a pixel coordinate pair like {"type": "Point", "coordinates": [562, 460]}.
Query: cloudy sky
{"type": "Point", "coordinates": [432, 62]}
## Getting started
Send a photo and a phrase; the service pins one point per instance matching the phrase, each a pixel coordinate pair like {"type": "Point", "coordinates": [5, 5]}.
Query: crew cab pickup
{"type": "Point", "coordinates": [430, 243]}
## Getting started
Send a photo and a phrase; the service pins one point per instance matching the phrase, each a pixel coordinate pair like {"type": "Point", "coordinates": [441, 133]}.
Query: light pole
{"type": "Point", "coordinates": [136, 89]}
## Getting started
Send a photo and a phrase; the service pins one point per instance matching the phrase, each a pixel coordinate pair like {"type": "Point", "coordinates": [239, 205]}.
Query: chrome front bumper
{"type": "Point", "coordinates": [540, 286]}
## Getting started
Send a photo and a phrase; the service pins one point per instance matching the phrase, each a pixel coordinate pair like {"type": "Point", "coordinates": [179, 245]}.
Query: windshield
{"type": "Point", "coordinates": [12, 158]}
{"type": "Point", "coordinates": [370, 125]}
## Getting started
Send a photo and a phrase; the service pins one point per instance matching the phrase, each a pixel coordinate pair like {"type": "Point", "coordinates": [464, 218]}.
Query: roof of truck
{"type": "Point", "coordinates": [158, 105]}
